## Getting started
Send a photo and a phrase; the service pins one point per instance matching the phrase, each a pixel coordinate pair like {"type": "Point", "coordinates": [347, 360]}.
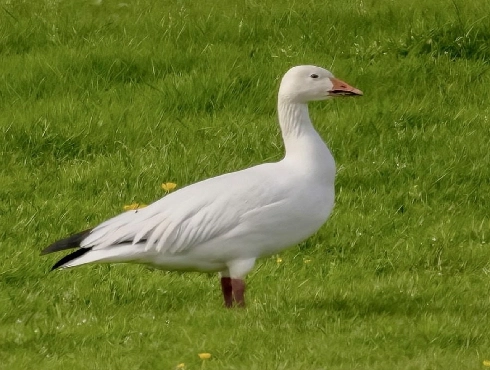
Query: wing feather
{"type": "Point", "coordinates": [168, 238]}
{"type": "Point", "coordinates": [145, 231]}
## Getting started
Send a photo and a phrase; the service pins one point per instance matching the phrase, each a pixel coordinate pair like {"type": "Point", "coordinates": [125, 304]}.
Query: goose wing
{"type": "Point", "coordinates": [190, 216]}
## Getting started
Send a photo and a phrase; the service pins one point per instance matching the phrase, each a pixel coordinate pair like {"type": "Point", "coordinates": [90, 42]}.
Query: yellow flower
{"type": "Point", "coordinates": [132, 206]}
{"type": "Point", "coordinates": [306, 260]}
{"type": "Point", "coordinates": [486, 363]}
{"type": "Point", "coordinates": [168, 186]}
{"type": "Point", "coordinates": [279, 260]}
{"type": "Point", "coordinates": [181, 366]}
{"type": "Point", "coordinates": [204, 356]}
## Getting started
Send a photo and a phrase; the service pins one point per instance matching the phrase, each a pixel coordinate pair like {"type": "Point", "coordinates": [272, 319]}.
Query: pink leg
{"type": "Point", "coordinates": [238, 287]}
{"type": "Point", "coordinates": [227, 289]}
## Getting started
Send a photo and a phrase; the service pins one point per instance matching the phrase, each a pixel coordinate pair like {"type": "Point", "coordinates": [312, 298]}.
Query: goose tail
{"type": "Point", "coordinates": [124, 252]}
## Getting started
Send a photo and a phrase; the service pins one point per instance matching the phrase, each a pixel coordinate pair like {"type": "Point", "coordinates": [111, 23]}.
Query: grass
{"type": "Point", "coordinates": [102, 103]}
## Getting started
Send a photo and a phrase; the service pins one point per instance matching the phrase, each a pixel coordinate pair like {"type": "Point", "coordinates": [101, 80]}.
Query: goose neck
{"type": "Point", "coordinates": [293, 119]}
{"type": "Point", "coordinates": [304, 146]}
{"type": "Point", "coordinates": [298, 132]}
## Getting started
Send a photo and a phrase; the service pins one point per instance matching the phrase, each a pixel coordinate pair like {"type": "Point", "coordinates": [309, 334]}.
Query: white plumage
{"type": "Point", "coordinates": [225, 223]}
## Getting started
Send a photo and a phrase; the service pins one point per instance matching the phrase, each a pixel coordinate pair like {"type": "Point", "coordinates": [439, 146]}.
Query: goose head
{"type": "Point", "coordinates": [302, 84]}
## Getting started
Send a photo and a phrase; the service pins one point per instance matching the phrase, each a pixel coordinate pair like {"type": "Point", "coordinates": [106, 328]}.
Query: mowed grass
{"type": "Point", "coordinates": [103, 101]}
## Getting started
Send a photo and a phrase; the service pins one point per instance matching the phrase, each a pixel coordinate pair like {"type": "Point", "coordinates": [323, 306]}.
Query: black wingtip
{"type": "Point", "coordinates": [78, 253]}
{"type": "Point", "coordinates": [70, 242]}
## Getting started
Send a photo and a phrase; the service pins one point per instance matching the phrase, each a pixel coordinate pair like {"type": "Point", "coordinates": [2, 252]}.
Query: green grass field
{"type": "Point", "coordinates": [101, 102]}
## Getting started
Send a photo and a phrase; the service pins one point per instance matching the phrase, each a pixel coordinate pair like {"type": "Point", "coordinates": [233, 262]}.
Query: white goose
{"type": "Point", "coordinates": [225, 223]}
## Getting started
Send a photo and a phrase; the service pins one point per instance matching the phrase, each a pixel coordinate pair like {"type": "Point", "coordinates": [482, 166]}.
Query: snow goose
{"type": "Point", "coordinates": [223, 224]}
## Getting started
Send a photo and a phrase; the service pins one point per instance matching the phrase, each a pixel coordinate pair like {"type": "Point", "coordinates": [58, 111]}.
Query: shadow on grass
{"type": "Point", "coordinates": [377, 304]}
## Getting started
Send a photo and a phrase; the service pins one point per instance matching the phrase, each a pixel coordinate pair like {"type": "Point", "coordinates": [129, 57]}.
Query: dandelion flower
{"type": "Point", "coordinates": [180, 366]}
{"type": "Point", "coordinates": [486, 363]}
{"type": "Point", "coordinates": [279, 260]}
{"type": "Point", "coordinates": [306, 260]}
{"type": "Point", "coordinates": [133, 206]}
{"type": "Point", "coordinates": [204, 356]}
{"type": "Point", "coordinates": [168, 186]}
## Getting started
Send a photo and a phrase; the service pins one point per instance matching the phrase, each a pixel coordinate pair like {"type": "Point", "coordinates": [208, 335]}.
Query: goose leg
{"type": "Point", "coordinates": [227, 289]}
{"type": "Point", "coordinates": [238, 287]}
{"type": "Point", "coordinates": [233, 283]}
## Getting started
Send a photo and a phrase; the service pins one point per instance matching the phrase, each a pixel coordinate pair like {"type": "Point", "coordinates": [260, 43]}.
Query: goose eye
{"type": "Point", "coordinates": [314, 75]}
